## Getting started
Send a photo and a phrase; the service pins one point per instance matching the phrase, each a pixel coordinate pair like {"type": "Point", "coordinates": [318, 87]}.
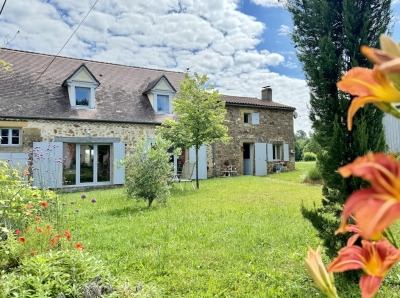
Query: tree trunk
{"type": "Point", "coordinates": [197, 166]}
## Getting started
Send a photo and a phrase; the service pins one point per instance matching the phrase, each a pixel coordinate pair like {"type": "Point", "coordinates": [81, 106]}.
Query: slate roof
{"type": "Point", "coordinates": [119, 97]}
{"type": "Point", "coordinates": [252, 101]}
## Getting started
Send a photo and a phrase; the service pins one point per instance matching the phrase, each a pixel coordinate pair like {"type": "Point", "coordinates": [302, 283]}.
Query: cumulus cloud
{"type": "Point", "coordinates": [208, 36]}
{"type": "Point", "coordinates": [268, 3]}
{"type": "Point", "coordinates": [284, 30]}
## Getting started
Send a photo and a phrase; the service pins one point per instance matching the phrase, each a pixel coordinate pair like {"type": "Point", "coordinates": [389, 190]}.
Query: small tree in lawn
{"type": "Point", "coordinates": [201, 117]}
{"type": "Point", "coordinates": [148, 171]}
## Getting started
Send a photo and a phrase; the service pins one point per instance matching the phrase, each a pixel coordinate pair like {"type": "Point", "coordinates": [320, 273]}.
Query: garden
{"type": "Point", "coordinates": [237, 237]}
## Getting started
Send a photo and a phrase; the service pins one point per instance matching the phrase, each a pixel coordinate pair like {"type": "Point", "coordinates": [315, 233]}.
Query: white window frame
{"type": "Point", "coordinates": [10, 144]}
{"type": "Point", "coordinates": [155, 94]}
{"type": "Point", "coordinates": [72, 95]}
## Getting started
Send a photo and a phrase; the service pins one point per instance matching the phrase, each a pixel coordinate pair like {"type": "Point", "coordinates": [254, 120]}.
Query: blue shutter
{"type": "Point", "coordinates": [261, 159]}
{"type": "Point", "coordinates": [269, 152]}
{"type": "Point", "coordinates": [286, 152]}
{"type": "Point", "coordinates": [119, 171]}
{"type": "Point", "coordinates": [202, 161]}
{"type": "Point", "coordinates": [255, 119]}
{"type": "Point", "coordinates": [16, 160]}
{"type": "Point", "coordinates": [47, 164]}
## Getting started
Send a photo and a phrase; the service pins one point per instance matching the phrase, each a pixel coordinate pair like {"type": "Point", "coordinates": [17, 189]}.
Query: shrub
{"type": "Point", "coordinates": [57, 274]}
{"type": "Point", "coordinates": [314, 174]}
{"type": "Point", "coordinates": [309, 156]}
{"type": "Point", "coordinates": [148, 171]}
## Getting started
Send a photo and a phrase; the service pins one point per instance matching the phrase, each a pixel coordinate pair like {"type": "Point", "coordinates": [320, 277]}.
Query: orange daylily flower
{"type": "Point", "coordinates": [39, 230]}
{"type": "Point", "coordinates": [21, 239]}
{"type": "Point", "coordinates": [33, 252]}
{"type": "Point", "coordinates": [321, 277]}
{"type": "Point", "coordinates": [375, 258]}
{"type": "Point", "coordinates": [79, 246]}
{"type": "Point", "coordinates": [18, 232]}
{"type": "Point", "coordinates": [357, 233]}
{"type": "Point", "coordinates": [377, 207]}
{"type": "Point", "coordinates": [369, 86]}
{"type": "Point", "coordinates": [67, 234]}
{"type": "Point", "coordinates": [387, 59]}
{"type": "Point", "coordinates": [37, 218]}
{"type": "Point", "coordinates": [44, 204]}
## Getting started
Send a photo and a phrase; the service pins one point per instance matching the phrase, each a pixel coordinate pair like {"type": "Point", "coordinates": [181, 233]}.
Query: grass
{"type": "Point", "coordinates": [235, 237]}
{"type": "Point", "coordinates": [297, 175]}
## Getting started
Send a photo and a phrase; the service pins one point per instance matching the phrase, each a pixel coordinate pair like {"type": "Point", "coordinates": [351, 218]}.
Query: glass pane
{"type": "Point", "coordinates": [4, 132]}
{"type": "Point", "coordinates": [82, 96]}
{"type": "Point", "coordinates": [69, 164]}
{"type": "Point", "coordinates": [15, 140]}
{"type": "Point", "coordinates": [162, 103]}
{"type": "Point", "coordinates": [103, 163]}
{"type": "Point", "coordinates": [86, 163]}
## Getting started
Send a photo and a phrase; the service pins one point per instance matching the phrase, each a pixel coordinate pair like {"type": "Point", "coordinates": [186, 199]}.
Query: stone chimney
{"type": "Point", "coordinates": [266, 93]}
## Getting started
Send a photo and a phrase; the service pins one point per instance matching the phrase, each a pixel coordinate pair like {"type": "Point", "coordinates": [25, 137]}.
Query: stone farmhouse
{"type": "Point", "coordinates": [77, 118]}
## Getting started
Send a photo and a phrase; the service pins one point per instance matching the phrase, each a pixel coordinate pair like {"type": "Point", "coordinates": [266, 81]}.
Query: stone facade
{"type": "Point", "coordinates": [275, 127]}
{"type": "Point", "coordinates": [48, 130]}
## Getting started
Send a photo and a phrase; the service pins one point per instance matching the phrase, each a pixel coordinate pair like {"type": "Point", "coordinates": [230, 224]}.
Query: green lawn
{"type": "Point", "coordinates": [235, 237]}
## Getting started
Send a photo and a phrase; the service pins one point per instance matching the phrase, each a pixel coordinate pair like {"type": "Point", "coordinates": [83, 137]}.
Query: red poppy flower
{"type": "Point", "coordinates": [58, 236]}
{"type": "Point", "coordinates": [21, 239]}
{"type": "Point", "coordinates": [44, 204]}
{"type": "Point", "coordinates": [79, 246]}
{"type": "Point", "coordinates": [18, 232]}
{"type": "Point", "coordinates": [37, 218]}
{"type": "Point", "coordinates": [33, 252]}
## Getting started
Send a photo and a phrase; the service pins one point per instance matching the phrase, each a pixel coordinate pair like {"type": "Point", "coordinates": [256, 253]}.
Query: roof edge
{"type": "Point", "coordinates": [78, 119]}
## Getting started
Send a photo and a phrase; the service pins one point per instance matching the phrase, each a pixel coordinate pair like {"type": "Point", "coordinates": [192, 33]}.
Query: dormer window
{"type": "Point", "coordinates": [163, 103]}
{"type": "Point", "coordinates": [81, 88]}
{"type": "Point", "coordinates": [160, 93]}
{"type": "Point", "coordinates": [82, 96]}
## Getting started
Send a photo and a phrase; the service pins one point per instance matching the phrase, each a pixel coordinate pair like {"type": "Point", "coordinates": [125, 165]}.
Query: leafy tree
{"type": "Point", "coordinates": [201, 116]}
{"type": "Point", "coordinates": [148, 171]}
{"type": "Point", "coordinates": [301, 140]}
{"type": "Point", "coordinates": [300, 135]}
{"type": "Point", "coordinates": [327, 35]}
{"type": "Point", "coordinates": [312, 146]}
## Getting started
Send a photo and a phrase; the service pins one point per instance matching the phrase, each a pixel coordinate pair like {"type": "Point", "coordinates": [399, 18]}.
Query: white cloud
{"type": "Point", "coordinates": [268, 3]}
{"type": "Point", "coordinates": [284, 30]}
{"type": "Point", "coordinates": [208, 36]}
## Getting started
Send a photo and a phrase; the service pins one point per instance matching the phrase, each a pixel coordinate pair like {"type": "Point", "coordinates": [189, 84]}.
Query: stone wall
{"type": "Point", "coordinates": [47, 131]}
{"type": "Point", "coordinates": [274, 126]}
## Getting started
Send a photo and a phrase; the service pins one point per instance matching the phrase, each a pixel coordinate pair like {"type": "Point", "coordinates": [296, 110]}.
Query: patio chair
{"type": "Point", "coordinates": [278, 167]}
{"type": "Point", "coordinates": [186, 174]}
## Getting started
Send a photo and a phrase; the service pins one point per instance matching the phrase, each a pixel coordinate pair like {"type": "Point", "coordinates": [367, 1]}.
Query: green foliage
{"type": "Point", "coordinates": [201, 116]}
{"type": "Point", "coordinates": [15, 194]}
{"type": "Point", "coordinates": [328, 35]}
{"type": "Point", "coordinates": [312, 146]}
{"type": "Point", "coordinates": [309, 156]}
{"type": "Point", "coordinates": [314, 174]}
{"type": "Point", "coordinates": [149, 171]}
{"type": "Point", "coordinates": [66, 273]}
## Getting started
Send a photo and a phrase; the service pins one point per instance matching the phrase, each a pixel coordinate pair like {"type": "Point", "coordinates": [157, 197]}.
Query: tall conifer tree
{"type": "Point", "coordinates": [328, 35]}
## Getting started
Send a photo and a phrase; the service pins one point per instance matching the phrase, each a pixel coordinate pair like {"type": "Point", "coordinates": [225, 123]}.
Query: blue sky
{"type": "Point", "coordinates": [242, 45]}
